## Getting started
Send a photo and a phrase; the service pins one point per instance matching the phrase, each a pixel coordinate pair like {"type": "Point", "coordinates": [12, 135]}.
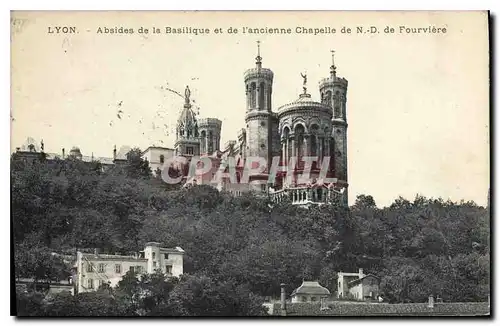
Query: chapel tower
{"type": "Point", "coordinates": [333, 92]}
{"type": "Point", "coordinates": [259, 117]}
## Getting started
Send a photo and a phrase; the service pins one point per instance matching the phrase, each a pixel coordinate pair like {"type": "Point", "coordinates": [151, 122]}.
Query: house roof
{"type": "Point", "coordinates": [156, 147]}
{"type": "Point", "coordinates": [309, 288]}
{"type": "Point", "coordinates": [351, 283]}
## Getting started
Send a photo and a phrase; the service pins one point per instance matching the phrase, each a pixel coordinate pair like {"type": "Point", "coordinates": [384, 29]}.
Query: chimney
{"type": "Point", "coordinates": [361, 273]}
{"type": "Point", "coordinates": [63, 153]}
{"type": "Point", "coordinates": [431, 301]}
{"type": "Point", "coordinates": [283, 299]}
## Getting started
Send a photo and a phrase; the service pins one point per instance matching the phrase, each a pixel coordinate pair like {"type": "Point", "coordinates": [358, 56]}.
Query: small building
{"type": "Point", "coordinates": [95, 270]}
{"type": "Point", "coordinates": [358, 285]}
{"type": "Point", "coordinates": [157, 156]}
{"type": "Point", "coordinates": [309, 292]}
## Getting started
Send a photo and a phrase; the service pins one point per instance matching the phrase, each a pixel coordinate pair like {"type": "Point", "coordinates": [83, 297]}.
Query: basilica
{"type": "Point", "coordinates": [287, 134]}
{"type": "Point", "coordinates": [301, 128]}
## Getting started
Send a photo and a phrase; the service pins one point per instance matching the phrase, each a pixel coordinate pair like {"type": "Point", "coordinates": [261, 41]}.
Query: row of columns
{"type": "Point", "coordinates": [253, 96]}
{"type": "Point", "coordinates": [300, 195]}
{"type": "Point", "coordinates": [289, 147]}
{"type": "Point", "coordinates": [205, 141]}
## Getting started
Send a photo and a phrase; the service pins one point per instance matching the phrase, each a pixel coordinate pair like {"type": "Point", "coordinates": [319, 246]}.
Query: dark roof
{"type": "Point", "coordinates": [384, 309]}
{"type": "Point", "coordinates": [311, 288]}
{"type": "Point", "coordinates": [351, 283]}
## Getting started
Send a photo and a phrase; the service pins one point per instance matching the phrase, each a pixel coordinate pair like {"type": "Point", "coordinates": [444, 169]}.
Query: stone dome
{"type": "Point", "coordinates": [304, 102]}
{"type": "Point", "coordinates": [75, 152]}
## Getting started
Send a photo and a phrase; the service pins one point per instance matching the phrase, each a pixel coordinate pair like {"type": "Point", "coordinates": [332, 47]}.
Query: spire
{"type": "Point", "coordinates": [333, 69]}
{"type": "Point", "coordinates": [258, 58]}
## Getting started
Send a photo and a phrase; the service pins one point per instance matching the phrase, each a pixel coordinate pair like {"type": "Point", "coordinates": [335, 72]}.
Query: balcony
{"type": "Point", "coordinates": [308, 195]}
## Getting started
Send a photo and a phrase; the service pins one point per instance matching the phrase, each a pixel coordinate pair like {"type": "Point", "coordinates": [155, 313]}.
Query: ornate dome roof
{"type": "Point", "coordinates": [187, 117]}
{"type": "Point", "coordinates": [304, 101]}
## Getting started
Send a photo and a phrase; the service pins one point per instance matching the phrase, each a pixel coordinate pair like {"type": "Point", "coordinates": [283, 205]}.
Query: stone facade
{"type": "Point", "coordinates": [95, 270]}
{"type": "Point", "coordinates": [298, 129]}
{"type": "Point", "coordinates": [358, 285]}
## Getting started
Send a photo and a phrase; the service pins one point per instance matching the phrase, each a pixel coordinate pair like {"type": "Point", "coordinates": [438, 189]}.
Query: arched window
{"type": "Point", "coordinates": [262, 93]}
{"type": "Point", "coordinates": [162, 159]}
{"type": "Point", "coordinates": [314, 146]}
{"type": "Point", "coordinates": [337, 105]}
{"type": "Point", "coordinates": [210, 142]}
{"type": "Point", "coordinates": [253, 95]}
{"type": "Point", "coordinates": [299, 135]}
{"type": "Point", "coordinates": [314, 141]}
{"type": "Point", "coordinates": [328, 98]}
{"type": "Point", "coordinates": [203, 141]}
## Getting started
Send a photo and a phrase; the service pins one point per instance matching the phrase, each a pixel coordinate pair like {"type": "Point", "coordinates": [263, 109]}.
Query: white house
{"type": "Point", "coordinates": [94, 270]}
{"type": "Point", "coordinates": [358, 285]}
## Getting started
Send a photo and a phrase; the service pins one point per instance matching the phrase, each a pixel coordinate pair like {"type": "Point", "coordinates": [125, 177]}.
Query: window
{"type": "Point", "coordinates": [168, 270]}
{"type": "Point", "coordinates": [166, 256]}
{"type": "Point", "coordinates": [303, 299]}
{"type": "Point", "coordinates": [313, 299]}
{"type": "Point", "coordinates": [154, 255]}
{"type": "Point", "coordinates": [101, 268]}
{"type": "Point", "coordinates": [90, 283]}
{"type": "Point", "coordinates": [154, 264]}
{"type": "Point", "coordinates": [189, 150]}
{"type": "Point", "coordinates": [131, 269]}
{"type": "Point", "coordinates": [118, 268]}
{"type": "Point", "coordinates": [138, 269]}
{"type": "Point", "coordinates": [162, 159]}
{"type": "Point", "coordinates": [99, 283]}
{"type": "Point", "coordinates": [90, 268]}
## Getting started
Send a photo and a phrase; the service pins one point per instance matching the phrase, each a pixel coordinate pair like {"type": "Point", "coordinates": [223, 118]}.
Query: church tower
{"type": "Point", "coordinates": [187, 141]}
{"type": "Point", "coordinates": [259, 117]}
{"type": "Point", "coordinates": [333, 92]}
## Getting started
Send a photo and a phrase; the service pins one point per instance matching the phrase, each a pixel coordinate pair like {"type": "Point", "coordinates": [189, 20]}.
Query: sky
{"type": "Point", "coordinates": [417, 104]}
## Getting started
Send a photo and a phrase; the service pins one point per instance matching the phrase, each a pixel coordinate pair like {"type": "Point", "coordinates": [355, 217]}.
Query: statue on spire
{"type": "Point", "coordinates": [333, 69]}
{"type": "Point", "coordinates": [304, 84]}
{"type": "Point", "coordinates": [187, 94]}
{"type": "Point", "coordinates": [258, 58]}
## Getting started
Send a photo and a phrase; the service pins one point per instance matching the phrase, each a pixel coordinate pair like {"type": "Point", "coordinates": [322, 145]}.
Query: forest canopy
{"type": "Point", "coordinates": [238, 249]}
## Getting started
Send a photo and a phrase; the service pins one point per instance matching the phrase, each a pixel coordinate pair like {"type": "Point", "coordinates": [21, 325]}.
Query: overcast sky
{"type": "Point", "coordinates": [417, 104]}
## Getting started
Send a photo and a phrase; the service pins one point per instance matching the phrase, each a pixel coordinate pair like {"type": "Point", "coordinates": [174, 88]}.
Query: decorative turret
{"type": "Point", "coordinates": [187, 133]}
{"type": "Point", "coordinates": [210, 129]}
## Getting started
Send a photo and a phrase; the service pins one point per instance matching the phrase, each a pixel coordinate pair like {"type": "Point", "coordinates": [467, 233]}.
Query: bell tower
{"type": "Point", "coordinates": [259, 118]}
{"type": "Point", "coordinates": [333, 91]}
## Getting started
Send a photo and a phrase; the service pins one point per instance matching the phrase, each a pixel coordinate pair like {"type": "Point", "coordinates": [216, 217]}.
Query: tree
{"type": "Point", "coordinates": [202, 296]}
{"type": "Point", "coordinates": [364, 202]}
{"type": "Point", "coordinates": [136, 166]}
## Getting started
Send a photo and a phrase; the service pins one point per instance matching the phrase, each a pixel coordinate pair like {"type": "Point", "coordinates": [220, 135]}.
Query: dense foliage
{"type": "Point", "coordinates": [238, 250]}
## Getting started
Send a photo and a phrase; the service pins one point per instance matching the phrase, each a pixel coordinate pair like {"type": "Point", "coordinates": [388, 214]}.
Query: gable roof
{"type": "Point", "coordinates": [359, 280]}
